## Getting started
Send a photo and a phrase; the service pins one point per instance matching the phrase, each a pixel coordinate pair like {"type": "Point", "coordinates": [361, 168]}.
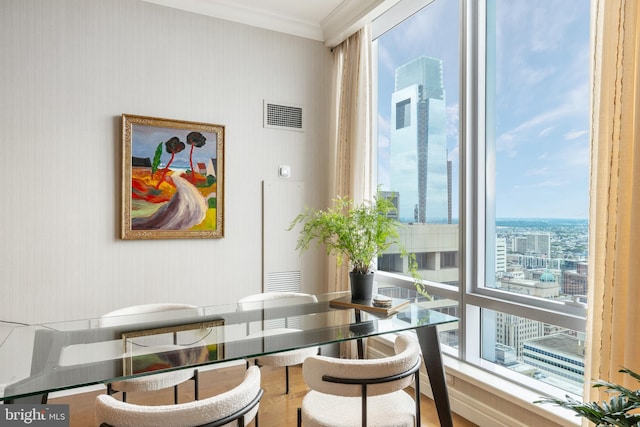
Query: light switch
{"type": "Point", "coordinates": [284, 171]}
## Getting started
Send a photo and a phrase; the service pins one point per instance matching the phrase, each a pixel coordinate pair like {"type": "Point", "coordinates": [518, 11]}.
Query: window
{"type": "Point", "coordinates": [418, 77]}
{"type": "Point", "coordinates": [449, 259]}
{"type": "Point", "coordinates": [491, 176]}
{"type": "Point", "coordinates": [403, 114]}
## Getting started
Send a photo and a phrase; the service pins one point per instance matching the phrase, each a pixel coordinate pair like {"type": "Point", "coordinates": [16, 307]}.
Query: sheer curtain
{"type": "Point", "coordinates": [351, 139]}
{"type": "Point", "coordinates": [351, 130]}
{"type": "Point", "coordinates": [613, 323]}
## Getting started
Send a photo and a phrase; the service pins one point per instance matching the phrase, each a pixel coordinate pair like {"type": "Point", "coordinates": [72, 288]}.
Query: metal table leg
{"type": "Point", "coordinates": [430, 346]}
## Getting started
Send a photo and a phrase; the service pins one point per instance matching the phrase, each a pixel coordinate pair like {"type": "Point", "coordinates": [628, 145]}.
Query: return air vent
{"type": "Point", "coordinates": [280, 116]}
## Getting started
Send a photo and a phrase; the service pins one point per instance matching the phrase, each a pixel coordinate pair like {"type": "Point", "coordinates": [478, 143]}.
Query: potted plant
{"type": "Point", "coordinates": [354, 233]}
{"type": "Point", "coordinates": [621, 410]}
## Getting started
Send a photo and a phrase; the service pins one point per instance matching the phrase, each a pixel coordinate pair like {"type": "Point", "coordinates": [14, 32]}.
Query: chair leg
{"type": "Point", "coordinates": [196, 385]}
{"type": "Point", "coordinates": [286, 373]}
{"type": "Point", "coordinates": [175, 394]}
{"type": "Point", "coordinates": [299, 417]}
{"type": "Point", "coordinates": [111, 391]}
{"type": "Point", "coordinates": [364, 405]}
{"type": "Point", "coordinates": [417, 397]}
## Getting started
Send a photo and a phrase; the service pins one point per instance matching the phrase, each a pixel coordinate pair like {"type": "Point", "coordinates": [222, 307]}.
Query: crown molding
{"type": "Point", "coordinates": [349, 17]}
{"type": "Point", "coordinates": [232, 11]}
{"type": "Point", "coordinates": [344, 20]}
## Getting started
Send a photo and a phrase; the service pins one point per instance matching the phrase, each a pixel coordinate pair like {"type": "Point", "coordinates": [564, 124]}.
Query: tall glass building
{"type": "Point", "coordinates": [418, 143]}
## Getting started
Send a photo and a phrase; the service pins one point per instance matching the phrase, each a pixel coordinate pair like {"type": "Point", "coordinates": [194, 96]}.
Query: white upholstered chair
{"type": "Point", "coordinates": [235, 407]}
{"type": "Point", "coordinates": [274, 300]}
{"type": "Point", "coordinates": [147, 313]}
{"type": "Point", "coordinates": [356, 392]}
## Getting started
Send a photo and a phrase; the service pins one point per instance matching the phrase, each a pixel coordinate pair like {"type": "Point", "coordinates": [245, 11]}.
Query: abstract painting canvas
{"type": "Point", "coordinates": [172, 179]}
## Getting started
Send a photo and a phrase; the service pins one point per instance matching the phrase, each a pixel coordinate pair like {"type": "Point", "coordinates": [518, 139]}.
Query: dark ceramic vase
{"type": "Point", "coordinates": [361, 286]}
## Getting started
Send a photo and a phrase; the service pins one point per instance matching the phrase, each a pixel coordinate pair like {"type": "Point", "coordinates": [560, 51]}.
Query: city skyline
{"type": "Point", "coordinates": [542, 126]}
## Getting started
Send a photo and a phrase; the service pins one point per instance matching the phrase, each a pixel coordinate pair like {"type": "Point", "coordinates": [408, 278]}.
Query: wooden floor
{"type": "Point", "coordinates": [276, 408]}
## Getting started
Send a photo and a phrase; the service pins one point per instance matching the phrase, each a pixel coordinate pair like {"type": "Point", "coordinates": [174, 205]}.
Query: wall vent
{"type": "Point", "coordinates": [283, 281]}
{"type": "Point", "coordinates": [281, 116]}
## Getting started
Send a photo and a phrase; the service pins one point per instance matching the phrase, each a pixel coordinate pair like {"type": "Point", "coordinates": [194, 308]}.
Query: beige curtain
{"type": "Point", "coordinates": [350, 140]}
{"type": "Point", "coordinates": [613, 323]}
{"type": "Point", "coordinates": [351, 130]}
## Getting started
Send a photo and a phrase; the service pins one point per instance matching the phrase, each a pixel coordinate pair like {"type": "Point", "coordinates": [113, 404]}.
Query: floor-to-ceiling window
{"type": "Point", "coordinates": [483, 144]}
{"type": "Point", "coordinates": [418, 96]}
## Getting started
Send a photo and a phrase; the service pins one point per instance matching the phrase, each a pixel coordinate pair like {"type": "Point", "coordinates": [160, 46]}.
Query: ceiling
{"type": "Point", "coordinates": [329, 21]}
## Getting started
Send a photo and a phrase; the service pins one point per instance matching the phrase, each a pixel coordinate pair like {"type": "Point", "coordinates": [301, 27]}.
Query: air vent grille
{"type": "Point", "coordinates": [283, 281]}
{"type": "Point", "coordinates": [283, 116]}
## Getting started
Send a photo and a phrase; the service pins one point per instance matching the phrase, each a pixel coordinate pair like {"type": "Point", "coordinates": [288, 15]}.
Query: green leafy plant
{"type": "Point", "coordinates": [421, 288]}
{"type": "Point", "coordinates": [353, 233]}
{"type": "Point", "coordinates": [615, 412]}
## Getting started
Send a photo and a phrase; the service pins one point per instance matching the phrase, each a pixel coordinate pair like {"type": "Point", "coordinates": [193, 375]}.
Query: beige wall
{"type": "Point", "coordinates": [70, 68]}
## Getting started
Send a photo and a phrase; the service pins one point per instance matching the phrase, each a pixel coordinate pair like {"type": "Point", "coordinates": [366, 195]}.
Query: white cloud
{"type": "Point", "coordinates": [505, 143]}
{"type": "Point", "coordinates": [578, 156]}
{"type": "Point", "coordinates": [575, 134]}
{"type": "Point", "coordinates": [537, 171]}
{"type": "Point", "coordinates": [454, 154]}
{"type": "Point", "coordinates": [543, 184]}
{"type": "Point", "coordinates": [547, 131]}
{"type": "Point", "coordinates": [385, 59]}
{"type": "Point", "coordinates": [453, 121]}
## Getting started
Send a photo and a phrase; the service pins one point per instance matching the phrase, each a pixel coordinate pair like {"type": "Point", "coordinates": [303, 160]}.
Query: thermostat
{"type": "Point", "coordinates": [284, 171]}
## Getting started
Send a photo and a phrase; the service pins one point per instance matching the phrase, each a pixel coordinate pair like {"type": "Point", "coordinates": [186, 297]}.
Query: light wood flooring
{"type": "Point", "coordinates": [277, 409]}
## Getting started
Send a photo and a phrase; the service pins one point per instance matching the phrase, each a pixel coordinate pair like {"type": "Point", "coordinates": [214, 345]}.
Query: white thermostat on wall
{"type": "Point", "coordinates": [284, 171]}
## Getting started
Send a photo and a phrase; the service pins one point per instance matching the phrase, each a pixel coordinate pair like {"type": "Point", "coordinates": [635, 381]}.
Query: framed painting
{"type": "Point", "coordinates": [172, 346]}
{"type": "Point", "coordinates": [172, 179]}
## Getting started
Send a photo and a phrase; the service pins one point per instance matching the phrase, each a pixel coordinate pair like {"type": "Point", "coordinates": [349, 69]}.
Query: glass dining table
{"type": "Point", "coordinates": [38, 359]}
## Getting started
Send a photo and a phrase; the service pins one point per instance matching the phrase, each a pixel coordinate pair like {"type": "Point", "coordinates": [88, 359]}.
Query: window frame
{"type": "Point", "coordinates": [477, 161]}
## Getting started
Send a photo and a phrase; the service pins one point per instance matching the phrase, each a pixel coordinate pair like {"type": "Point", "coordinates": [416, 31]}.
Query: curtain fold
{"type": "Point", "coordinates": [351, 140]}
{"type": "Point", "coordinates": [351, 130]}
{"type": "Point", "coordinates": [613, 320]}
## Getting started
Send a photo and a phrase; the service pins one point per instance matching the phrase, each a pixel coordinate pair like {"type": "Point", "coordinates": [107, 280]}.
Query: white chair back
{"type": "Point", "coordinates": [268, 300]}
{"type": "Point", "coordinates": [274, 299]}
{"type": "Point", "coordinates": [407, 355]}
{"type": "Point", "coordinates": [112, 412]}
{"type": "Point", "coordinates": [186, 345]}
{"type": "Point", "coordinates": [148, 313]}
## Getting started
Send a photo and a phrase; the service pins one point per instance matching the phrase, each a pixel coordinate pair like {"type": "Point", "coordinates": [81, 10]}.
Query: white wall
{"type": "Point", "coordinates": [70, 68]}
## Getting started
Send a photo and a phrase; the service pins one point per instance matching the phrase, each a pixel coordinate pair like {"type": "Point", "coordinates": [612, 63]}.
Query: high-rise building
{"type": "Point", "coordinates": [559, 356]}
{"type": "Point", "coordinates": [418, 143]}
{"type": "Point", "coordinates": [539, 244]}
{"type": "Point", "coordinates": [574, 282]}
{"type": "Point", "coordinates": [513, 331]}
{"type": "Point", "coordinates": [519, 245]}
{"type": "Point", "coordinates": [501, 255]}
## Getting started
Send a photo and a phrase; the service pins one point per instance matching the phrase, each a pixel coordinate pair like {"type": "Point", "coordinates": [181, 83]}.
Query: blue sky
{"type": "Point", "coordinates": [541, 99]}
{"type": "Point", "coordinates": [145, 139]}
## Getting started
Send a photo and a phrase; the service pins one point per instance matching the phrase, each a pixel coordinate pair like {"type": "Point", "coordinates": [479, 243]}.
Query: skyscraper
{"type": "Point", "coordinates": [539, 243]}
{"type": "Point", "coordinates": [418, 142]}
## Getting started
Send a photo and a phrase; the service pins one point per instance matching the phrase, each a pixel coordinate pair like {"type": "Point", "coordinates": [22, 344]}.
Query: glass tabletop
{"type": "Point", "coordinates": [38, 359]}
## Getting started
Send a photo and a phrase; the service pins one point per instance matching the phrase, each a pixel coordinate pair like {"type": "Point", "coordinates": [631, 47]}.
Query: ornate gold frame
{"type": "Point", "coordinates": [148, 143]}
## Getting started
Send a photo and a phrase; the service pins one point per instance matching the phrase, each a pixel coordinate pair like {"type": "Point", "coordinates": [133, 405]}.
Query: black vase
{"type": "Point", "coordinates": [361, 286]}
